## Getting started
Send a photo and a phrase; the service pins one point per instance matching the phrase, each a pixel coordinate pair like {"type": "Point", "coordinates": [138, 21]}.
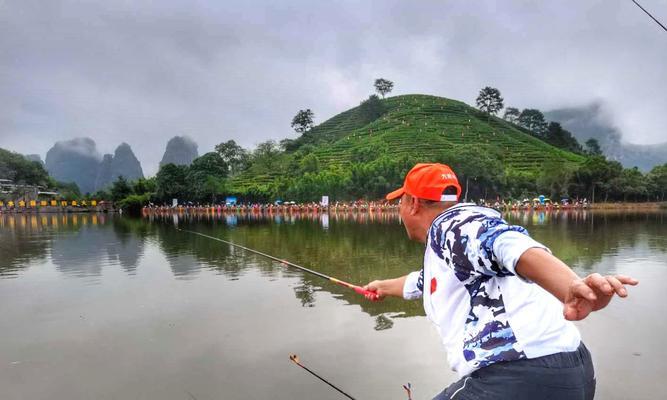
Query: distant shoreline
{"type": "Point", "coordinates": [629, 206]}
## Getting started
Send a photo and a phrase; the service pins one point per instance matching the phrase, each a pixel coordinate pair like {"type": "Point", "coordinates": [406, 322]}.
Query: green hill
{"type": "Point", "coordinates": [411, 127]}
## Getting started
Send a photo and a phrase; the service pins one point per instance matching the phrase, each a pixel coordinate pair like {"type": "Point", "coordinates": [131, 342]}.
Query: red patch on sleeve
{"type": "Point", "coordinates": [434, 285]}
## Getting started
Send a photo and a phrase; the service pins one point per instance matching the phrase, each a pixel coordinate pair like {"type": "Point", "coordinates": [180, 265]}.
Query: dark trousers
{"type": "Point", "coordinates": [561, 376]}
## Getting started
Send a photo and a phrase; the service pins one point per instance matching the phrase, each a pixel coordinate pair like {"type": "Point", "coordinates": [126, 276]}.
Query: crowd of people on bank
{"type": "Point", "coordinates": [353, 206]}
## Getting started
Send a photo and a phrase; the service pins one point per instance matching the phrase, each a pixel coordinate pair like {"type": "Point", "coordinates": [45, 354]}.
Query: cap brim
{"type": "Point", "coordinates": [396, 194]}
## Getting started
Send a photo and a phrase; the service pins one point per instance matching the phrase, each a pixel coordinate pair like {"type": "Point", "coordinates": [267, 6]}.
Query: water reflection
{"type": "Point", "coordinates": [359, 247]}
{"type": "Point", "coordinates": [78, 245]}
{"type": "Point", "coordinates": [353, 246]}
{"type": "Point", "coordinates": [173, 309]}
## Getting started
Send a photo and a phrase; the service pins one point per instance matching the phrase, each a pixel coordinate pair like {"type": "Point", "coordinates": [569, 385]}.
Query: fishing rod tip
{"type": "Point", "coordinates": [294, 358]}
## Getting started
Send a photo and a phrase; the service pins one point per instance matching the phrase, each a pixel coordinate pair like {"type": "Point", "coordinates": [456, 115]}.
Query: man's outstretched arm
{"type": "Point", "coordinates": [579, 296]}
{"type": "Point", "coordinates": [387, 287]}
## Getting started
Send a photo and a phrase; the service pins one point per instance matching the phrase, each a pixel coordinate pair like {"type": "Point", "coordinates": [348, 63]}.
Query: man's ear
{"type": "Point", "coordinates": [415, 206]}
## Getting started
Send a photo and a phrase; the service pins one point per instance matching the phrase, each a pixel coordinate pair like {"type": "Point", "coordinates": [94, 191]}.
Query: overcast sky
{"type": "Point", "coordinates": [142, 72]}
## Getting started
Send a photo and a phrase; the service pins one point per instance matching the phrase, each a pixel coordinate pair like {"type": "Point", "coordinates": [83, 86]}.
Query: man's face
{"type": "Point", "coordinates": [409, 220]}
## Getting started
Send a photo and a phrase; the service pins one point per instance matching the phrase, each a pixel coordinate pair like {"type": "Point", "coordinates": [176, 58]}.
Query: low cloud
{"type": "Point", "coordinates": [143, 73]}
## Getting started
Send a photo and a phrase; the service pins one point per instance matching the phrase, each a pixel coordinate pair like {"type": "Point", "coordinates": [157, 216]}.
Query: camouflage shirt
{"type": "Point", "coordinates": [485, 312]}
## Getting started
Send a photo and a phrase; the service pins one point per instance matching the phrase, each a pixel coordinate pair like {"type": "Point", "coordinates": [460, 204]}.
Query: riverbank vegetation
{"type": "Point", "coordinates": [365, 152]}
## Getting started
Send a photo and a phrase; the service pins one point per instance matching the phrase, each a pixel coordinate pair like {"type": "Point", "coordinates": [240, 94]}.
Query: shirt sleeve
{"type": "Point", "coordinates": [492, 247]}
{"type": "Point", "coordinates": [414, 285]}
{"type": "Point", "coordinates": [510, 246]}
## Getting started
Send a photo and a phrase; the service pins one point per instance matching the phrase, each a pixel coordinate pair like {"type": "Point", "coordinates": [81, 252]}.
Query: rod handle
{"type": "Point", "coordinates": [372, 296]}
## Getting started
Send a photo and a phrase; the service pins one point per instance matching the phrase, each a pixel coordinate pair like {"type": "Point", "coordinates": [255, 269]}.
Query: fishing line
{"type": "Point", "coordinates": [367, 293]}
{"type": "Point", "coordinates": [649, 14]}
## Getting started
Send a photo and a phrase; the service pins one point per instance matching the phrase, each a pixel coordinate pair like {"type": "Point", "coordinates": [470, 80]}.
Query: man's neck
{"type": "Point", "coordinates": [430, 214]}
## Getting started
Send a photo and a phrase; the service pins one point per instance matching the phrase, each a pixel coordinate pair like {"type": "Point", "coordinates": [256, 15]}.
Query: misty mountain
{"type": "Point", "coordinates": [75, 160]}
{"type": "Point", "coordinates": [122, 162]}
{"type": "Point", "coordinates": [104, 172]}
{"type": "Point", "coordinates": [34, 157]}
{"type": "Point", "coordinates": [590, 122]}
{"type": "Point", "coordinates": [181, 150]}
{"type": "Point", "coordinates": [125, 163]}
{"type": "Point", "coordinates": [78, 161]}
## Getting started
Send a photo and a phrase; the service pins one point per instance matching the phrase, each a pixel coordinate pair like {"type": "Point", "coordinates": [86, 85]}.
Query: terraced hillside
{"type": "Point", "coordinates": [420, 126]}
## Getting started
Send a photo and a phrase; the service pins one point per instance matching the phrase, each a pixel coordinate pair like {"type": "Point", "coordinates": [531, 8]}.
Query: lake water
{"type": "Point", "coordinates": [108, 307]}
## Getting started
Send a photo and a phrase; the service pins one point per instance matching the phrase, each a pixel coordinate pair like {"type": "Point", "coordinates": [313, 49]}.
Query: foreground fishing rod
{"type": "Point", "coordinates": [296, 361]}
{"type": "Point", "coordinates": [367, 293]}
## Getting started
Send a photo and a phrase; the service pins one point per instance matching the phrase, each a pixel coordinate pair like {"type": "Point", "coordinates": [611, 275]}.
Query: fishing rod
{"type": "Point", "coordinates": [296, 361]}
{"type": "Point", "coordinates": [367, 293]}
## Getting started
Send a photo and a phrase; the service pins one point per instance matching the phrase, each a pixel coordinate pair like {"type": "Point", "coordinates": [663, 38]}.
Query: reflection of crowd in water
{"type": "Point", "coordinates": [356, 206]}
{"type": "Point", "coordinates": [286, 215]}
{"type": "Point", "coordinates": [361, 212]}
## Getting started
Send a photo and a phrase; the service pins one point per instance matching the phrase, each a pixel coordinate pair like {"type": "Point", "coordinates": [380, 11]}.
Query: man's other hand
{"type": "Point", "coordinates": [593, 293]}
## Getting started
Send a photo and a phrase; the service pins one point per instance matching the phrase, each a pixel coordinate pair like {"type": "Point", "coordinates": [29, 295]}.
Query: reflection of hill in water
{"type": "Point", "coordinates": [78, 252]}
{"type": "Point", "coordinates": [186, 253]}
{"type": "Point", "coordinates": [358, 249]}
{"type": "Point", "coordinates": [78, 245]}
{"type": "Point", "coordinates": [340, 248]}
{"type": "Point", "coordinates": [354, 247]}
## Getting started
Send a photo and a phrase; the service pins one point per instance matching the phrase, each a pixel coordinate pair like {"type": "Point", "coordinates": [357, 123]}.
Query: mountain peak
{"type": "Point", "coordinates": [181, 150]}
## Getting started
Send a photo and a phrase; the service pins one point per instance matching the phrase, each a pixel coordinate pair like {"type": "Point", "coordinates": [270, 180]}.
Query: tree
{"type": "Point", "coordinates": [265, 155]}
{"type": "Point", "coordinates": [69, 190]}
{"type": "Point", "coordinates": [171, 182]}
{"type": "Point", "coordinates": [596, 172]}
{"type": "Point", "coordinates": [555, 179]}
{"type": "Point", "coordinates": [288, 144]}
{"type": "Point", "coordinates": [371, 108]}
{"type": "Point", "coordinates": [657, 181]}
{"type": "Point", "coordinates": [630, 182]}
{"type": "Point", "coordinates": [490, 100]}
{"type": "Point", "coordinates": [205, 177]}
{"type": "Point", "coordinates": [16, 167]}
{"type": "Point", "coordinates": [534, 121]}
{"type": "Point", "coordinates": [383, 86]}
{"type": "Point", "coordinates": [235, 156]}
{"type": "Point", "coordinates": [210, 164]}
{"type": "Point", "coordinates": [310, 163]}
{"type": "Point", "coordinates": [512, 115]}
{"type": "Point", "coordinates": [303, 120]}
{"type": "Point", "coordinates": [561, 138]}
{"type": "Point", "coordinates": [593, 147]}
{"type": "Point", "coordinates": [120, 189]}
{"type": "Point", "coordinates": [471, 164]}
{"type": "Point", "coordinates": [133, 203]}
{"type": "Point", "coordinates": [144, 185]}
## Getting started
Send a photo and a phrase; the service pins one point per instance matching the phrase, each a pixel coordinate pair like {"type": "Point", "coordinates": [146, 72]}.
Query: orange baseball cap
{"type": "Point", "coordinates": [429, 181]}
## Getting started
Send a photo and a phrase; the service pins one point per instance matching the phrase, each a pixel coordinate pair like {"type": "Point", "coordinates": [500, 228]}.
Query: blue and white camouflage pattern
{"type": "Point", "coordinates": [463, 237]}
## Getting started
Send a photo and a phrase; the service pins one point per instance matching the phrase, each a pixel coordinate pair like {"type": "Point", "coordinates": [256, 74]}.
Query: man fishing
{"type": "Point", "coordinates": [500, 300]}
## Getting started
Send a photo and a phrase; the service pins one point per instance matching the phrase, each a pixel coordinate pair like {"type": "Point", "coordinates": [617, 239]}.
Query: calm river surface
{"type": "Point", "coordinates": [107, 307]}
